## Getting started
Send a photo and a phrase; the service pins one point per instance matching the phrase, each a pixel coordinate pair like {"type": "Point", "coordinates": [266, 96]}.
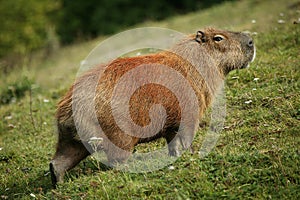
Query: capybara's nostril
{"type": "Point", "coordinates": [250, 43]}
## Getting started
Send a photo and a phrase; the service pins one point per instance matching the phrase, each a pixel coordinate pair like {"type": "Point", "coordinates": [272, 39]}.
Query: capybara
{"type": "Point", "coordinates": [150, 103]}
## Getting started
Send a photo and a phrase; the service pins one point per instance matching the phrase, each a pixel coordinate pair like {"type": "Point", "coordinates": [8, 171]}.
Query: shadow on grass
{"type": "Point", "coordinates": [86, 168]}
{"type": "Point", "coordinates": [39, 183]}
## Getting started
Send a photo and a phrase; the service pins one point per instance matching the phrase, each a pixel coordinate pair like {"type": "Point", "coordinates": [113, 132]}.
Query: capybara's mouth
{"type": "Point", "coordinates": [251, 59]}
{"type": "Point", "coordinates": [251, 56]}
{"type": "Point", "coordinates": [249, 49]}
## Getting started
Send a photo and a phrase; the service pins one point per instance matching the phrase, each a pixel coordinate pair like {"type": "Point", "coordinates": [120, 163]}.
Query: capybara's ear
{"type": "Point", "coordinates": [200, 37]}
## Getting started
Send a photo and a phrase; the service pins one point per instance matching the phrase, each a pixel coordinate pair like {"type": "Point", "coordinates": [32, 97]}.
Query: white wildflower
{"type": "Point", "coordinates": [255, 79]}
{"type": "Point", "coordinates": [248, 102]}
{"type": "Point", "coordinates": [96, 139]}
{"type": "Point", "coordinates": [8, 117]}
{"type": "Point", "coordinates": [46, 100]}
{"type": "Point", "coordinates": [33, 195]}
{"type": "Point", "coordinates": [171, 167]}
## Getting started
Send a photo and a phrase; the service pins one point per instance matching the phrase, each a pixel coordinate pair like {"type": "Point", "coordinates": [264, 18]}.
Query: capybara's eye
{"type": "Point", "coordinates": [218, 38]}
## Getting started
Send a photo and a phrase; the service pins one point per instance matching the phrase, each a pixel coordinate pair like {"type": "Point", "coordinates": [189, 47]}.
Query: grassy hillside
{"type": "Point", "coordinates": [257, 155]}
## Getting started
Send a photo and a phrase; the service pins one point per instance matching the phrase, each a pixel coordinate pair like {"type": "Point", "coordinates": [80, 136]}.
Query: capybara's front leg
{"type": "Point", "coordinates": [119, 147]}
{"type": "Point", "coordinates": [68, 154]}
{"type": "Point", "coordinates": [173, 147]}
{"type": "Point", "coordinates": [175, 141]}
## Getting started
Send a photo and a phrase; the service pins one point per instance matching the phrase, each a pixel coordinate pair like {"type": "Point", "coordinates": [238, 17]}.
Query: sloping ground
{"type": "Point", "coordinates": [257, 155]}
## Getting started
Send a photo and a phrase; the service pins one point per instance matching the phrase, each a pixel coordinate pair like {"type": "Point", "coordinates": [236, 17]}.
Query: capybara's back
{"type": "Point", "coordinates": [140, 99]}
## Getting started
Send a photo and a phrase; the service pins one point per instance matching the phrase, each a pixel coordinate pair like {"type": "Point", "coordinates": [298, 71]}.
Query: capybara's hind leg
{"type": "Point", "coordinates": [68, 155]}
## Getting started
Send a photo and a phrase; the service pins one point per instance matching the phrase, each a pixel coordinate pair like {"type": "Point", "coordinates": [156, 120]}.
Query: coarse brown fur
{"type": "Point", "coordinates": [202, 59]}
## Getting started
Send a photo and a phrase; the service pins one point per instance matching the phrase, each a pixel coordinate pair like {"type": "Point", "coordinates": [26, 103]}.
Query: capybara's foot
{"type": "Point", "coordinates": [68, 155]}
{"type": "Point", "coordinates": [56, 176]}
{"type": "Point", "coordinates": [174, 152]}
{"type": "Point", "coordinates": [173, 146]}
{"type": "Point", "coordinates": [53, 175]}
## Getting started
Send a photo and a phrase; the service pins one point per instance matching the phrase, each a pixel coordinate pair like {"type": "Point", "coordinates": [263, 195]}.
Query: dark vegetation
{"type": "Point", "coordinates": [30, 25]}
{"type": "Point", "coordinates": [88, 19]}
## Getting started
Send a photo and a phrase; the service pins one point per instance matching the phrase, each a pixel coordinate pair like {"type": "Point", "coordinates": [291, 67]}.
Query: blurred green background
{"type": "Point", "coordinates": [28, 25]}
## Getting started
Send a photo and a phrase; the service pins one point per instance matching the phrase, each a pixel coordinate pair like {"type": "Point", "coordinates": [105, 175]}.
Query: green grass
{"type": "Point", "coordinates": [256, 157]}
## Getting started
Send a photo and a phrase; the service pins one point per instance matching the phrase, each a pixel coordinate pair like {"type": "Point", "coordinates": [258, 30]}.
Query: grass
{"type": "Point", "coordinates": [256, 157]}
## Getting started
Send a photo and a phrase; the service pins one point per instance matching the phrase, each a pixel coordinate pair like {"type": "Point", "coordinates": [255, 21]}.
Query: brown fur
{"type": "Point", "coordinates": [201, 60]}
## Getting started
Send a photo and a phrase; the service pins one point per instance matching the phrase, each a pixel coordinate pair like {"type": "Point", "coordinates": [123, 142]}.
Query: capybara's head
{"type": "Point", "coordinates": [232, 50]}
